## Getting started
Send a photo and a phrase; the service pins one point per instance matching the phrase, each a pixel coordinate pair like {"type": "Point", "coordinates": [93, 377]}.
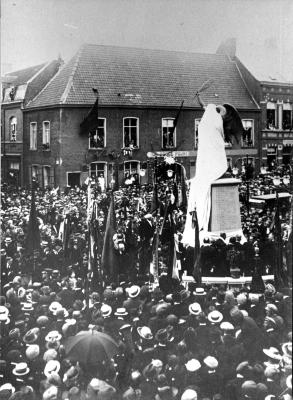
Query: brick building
{"type": "Point", "coordinates": [19, 87]}
{"type": "Point", "coordinates": [139, 94]}
{"type": "Point", "coordinates": [275, 96]}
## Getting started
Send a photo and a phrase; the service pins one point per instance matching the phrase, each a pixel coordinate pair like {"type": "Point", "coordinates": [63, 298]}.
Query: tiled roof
{"type": "Point", "coordinates": [24, 75]}
{"type": "Point", "coordinates": [131, 76]}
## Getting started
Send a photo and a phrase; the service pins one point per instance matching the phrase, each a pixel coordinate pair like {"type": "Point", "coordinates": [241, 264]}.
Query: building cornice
{"type": "Point", "coordinates": [122, 106]}
{"type": "Point", "coordinates": [269, 83]}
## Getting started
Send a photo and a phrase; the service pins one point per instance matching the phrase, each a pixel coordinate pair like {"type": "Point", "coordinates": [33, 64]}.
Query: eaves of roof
{"type": "Point", "coordinates": [129, 77]}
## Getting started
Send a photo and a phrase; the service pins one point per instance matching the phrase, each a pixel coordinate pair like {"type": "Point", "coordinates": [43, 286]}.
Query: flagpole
{"type": "Point", "coordinates": [34, 255]}
{"type": "Point", "coordinates": [89, 268]}
{"type": "Point", "coordinates": [156, 246]}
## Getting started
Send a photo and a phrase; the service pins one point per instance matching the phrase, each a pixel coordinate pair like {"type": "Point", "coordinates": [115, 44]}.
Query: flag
{"type": "Point", "coordinates": [155, 201]}
{"type": "Point", "coordinates": [176, 119]}
{"type": "Point", "coordinates": [183, 196]}
{"type": "Point", "coordinates": [91, 120]}
{"type": "Point", "coordinates": [33, 239]}
{"type": "Point", "coordinates": [90, 226]}
{"type": "Point", "coordinates": [109, 257]}
{"type": "Point", "coordinates": [197, 258]}
{"type": "Point", "coordinates": [279, 273]}
{"type": "Point", "coordinates": [176, 262]}
{"type": "Point", "coordinates": [66, 234]}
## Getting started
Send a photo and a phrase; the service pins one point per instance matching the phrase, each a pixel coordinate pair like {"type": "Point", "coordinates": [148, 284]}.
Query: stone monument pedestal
{"type": "Point", "coordinates": [225, 210]}
{"type": "Point", "coordinates": [225, 206]}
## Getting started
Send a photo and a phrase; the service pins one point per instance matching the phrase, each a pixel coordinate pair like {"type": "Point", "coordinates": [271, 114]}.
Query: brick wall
{"type": "Point", "coordinates": [68, 143]}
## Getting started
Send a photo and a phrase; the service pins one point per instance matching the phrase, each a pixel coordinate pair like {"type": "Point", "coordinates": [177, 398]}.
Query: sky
{"type": "Point", "coordinates": [36, 31]}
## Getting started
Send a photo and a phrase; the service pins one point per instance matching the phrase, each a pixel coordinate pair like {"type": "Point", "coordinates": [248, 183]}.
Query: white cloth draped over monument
{"type": "Point", "coordinates": [211, 164]}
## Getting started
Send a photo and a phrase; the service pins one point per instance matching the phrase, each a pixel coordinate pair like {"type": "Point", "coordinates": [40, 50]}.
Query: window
{"type": "Point", "coordinates": [46, 135]}
{"type": "Point", "coordinates": [97, 137]}
{"type": "Point", "coordinates": [73, 178]}
{"type": "Point", "coordinates": [287, 150]}
{"type": "Point", "coordinates": [271, 116]}
{"type": "Point", "coordinates": [35, 172]}
{"type": "Point", "coordinates": [98, 170]}
{"type": "Point", "coordinates": [168, 133]}
{"type": "Point", "coordinates": [196, 123]}
{"type": "Point", "coordinates": [248, 134]}
{"type": "Point", "coordinates": [33, 136]}
{"type": "Point", "coordinates": [12, 128]}
{"type": "Point", "coordinates": [287, 117]}
{"type": "Point", "coordinates": [14, 165]}
{"type": "Point", "coordinates": [46, 175]}
{"type": "Point", "coordinates": [131, 170]}
{"type": "Point", "coordinates": [130, 132]}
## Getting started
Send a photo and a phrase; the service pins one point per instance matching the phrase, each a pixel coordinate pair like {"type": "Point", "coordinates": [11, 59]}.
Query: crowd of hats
{"type": "Point", "coordinates": [202, 343]}
{"type": "Point", "coordinates": [262, 185]}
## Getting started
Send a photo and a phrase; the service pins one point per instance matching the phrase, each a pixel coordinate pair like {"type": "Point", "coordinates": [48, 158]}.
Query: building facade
{"type": "Point", "coordinates": [132, 121]}
{"type": "Point", "coordinates": [19, 88]}
{"type": "Point", "coordinates": [275, 97]}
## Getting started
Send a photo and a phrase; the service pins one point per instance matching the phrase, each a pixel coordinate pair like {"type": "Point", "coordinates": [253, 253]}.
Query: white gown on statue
{"type": "Point", "coordinates": [211, 164]}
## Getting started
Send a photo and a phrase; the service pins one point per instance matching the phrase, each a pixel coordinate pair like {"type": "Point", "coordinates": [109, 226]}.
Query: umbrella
{"type": "Point", "coordinates": [90, 347]}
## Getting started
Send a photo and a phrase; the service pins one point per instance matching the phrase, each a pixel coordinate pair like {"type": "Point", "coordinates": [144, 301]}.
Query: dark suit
{"type": "Point", "coordinates": [146, 232]}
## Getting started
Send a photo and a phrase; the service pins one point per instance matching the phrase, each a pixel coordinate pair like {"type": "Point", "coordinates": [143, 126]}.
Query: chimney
{"type": "Point", "coordinates": [60, 61]}
{"type": "Point", "coordinates": [228, 47]}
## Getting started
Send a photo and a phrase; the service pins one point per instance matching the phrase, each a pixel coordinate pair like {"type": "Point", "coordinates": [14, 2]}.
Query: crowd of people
{"type": "Point", "coordinates": [174, 341]}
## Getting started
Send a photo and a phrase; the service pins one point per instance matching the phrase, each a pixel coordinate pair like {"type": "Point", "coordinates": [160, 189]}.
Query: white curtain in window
{"type": "Point", "coordinates": [33, 136]}
{"type": "Point", "coordinates": [46, 132]}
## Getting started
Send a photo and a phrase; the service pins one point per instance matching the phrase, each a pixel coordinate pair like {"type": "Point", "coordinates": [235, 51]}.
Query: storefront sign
{"type": "Point", "coordinates": [191, 153]}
